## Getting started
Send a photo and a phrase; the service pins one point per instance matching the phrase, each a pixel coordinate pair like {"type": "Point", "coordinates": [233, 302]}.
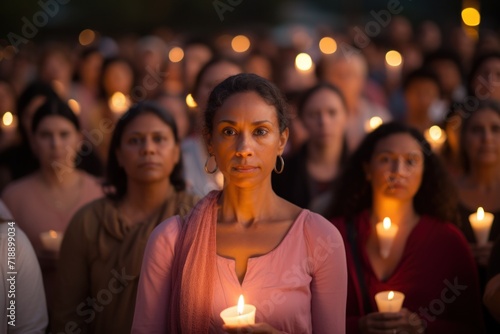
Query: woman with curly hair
{"type": "Point", "coordinates": [395, 174]}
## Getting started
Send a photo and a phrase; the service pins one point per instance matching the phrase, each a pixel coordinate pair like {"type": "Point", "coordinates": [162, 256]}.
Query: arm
{"type": "Point", "coordinates": [329, 283]}
{"type": "Point", "coordinates": [153, 294]}
{"type": "Point", "coordinates": [492, 296]}
{"type": "Point", "coordinates": [31, 310]}
{"type": "Point", "coordinates": [72, 311]}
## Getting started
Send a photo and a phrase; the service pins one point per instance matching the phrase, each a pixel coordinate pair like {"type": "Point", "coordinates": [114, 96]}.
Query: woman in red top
{"type": "Point", "coordinates": [395, 174]}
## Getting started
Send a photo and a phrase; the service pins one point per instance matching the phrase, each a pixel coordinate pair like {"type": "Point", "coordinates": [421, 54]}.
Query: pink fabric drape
{"type": "Point", "coordinates": [194, 268]}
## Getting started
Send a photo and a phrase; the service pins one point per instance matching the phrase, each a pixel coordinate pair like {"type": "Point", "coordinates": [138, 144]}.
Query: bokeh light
{"type": "Point", "coordinates": [191, 103]}
{"type": "Point", "coordinates": [240, 43]}
{"type": "Point", "coordinates": [328, 45]}
{"type": "Point", "coordinates": [471, 17]}
{"type": "Point", "coordinates": [303, 62]}
{"type": "Point", "coordinates": [86, 37]}
{"type": "Point", "coordinates": [393, 58]}
{"type": "Point", "coordinates": [176, 54]}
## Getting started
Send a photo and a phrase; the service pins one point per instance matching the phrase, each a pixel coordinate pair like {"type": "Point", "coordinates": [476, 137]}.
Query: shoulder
{"type": "Point", "coordinates": [443, 234]}
{"type": "Point", "coordinates": [167, 232]}
{"type": "Point", "coordinates": [18, 187]}
{"type": "Point", "coordinates": [89, 216]}
{"type": "Point", "coordinates": [318, 229]}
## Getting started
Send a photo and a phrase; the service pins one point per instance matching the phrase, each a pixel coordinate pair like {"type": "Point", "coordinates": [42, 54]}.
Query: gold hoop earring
{"type": "Point", "coordinates": [282, 165]}
{"type": "Point", "coordinates": [206, 165]}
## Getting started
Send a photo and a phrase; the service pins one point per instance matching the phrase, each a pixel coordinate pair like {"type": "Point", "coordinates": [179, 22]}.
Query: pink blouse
{"type": "Point", "coordinates": [298, 287]}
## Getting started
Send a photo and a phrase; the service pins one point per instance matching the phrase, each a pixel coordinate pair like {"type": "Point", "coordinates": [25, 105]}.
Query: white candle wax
{"type": "Point", "coordinates": [386, 233]}
{"type": "Point", "coordinates": [481, 224]}
{"type": "Point", "coordinates": [389, 301]}
{"type": "Point", "coordinates": [240, 315]}
{"type": "Point", "coordinates": [51, 240]}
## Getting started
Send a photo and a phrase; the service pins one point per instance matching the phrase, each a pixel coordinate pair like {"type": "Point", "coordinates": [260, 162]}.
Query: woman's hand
{"type": "Point", "coordinates": [403, 321]}
{"type": "Point", "coordinates": [482, 253]}
{"type": "Point", "coordinates": [260, 328]}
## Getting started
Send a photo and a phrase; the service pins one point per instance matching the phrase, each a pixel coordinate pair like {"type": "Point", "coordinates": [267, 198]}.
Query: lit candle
{"type": "Point", "coordinates": [393, 66]}
{"type": "Point", "coordinates": [51, 240]}
{"type": "Point", "coordinates": [119, 103]}
{"type": "Point", "coordinates": [242, 314]}
{"type": "Point", "coordinates": [435, 136]}
{"type": "Point", "coordinates": [9, 124]}
{"type": "Point", "coordinates": [373, 123]}
{"type": "Point", "coordinates": [386, 233]}
{"type": "Point", "coordinates": [304, 63]}
{"type": "Point", "coordinates": [481, 224]}
{"type": "Point", "coordinates": [389, 301]}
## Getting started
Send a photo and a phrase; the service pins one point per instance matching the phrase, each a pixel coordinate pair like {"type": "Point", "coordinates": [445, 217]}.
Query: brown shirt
{"type": "Point", "coordinates": [99, 266]}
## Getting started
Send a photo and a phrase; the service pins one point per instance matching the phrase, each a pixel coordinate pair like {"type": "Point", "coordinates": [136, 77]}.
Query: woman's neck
{"type": "Point", "coordinates": [60, 178]}
{"type": "Point", "coordinates": [325, 154]}
{"type": "Point", "coordinates": [246, 206]}
{"type": "Point", "coordinates": [484, 177]}
{"type": "Point", "coordinates": [147, 198]}
{"type": "Point", "coordinates": [401, 213]}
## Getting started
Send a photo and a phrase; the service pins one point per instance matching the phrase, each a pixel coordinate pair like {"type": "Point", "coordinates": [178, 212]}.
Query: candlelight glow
{"type": "Point", "coordinates": [391, 295]}
{"type": "Point", "coordinates": [241, 304]}
{"type": "Point", "coordinates": [86, 37]}
{"type": "Point", "coordinates": [118, 102]}
{"type": "Point", "coordinates": [480, 213]}
{"type": "Point", "coordinates": [471, 17]}
{"type": "Point", "coordinates": [303, 62]}
{"type": "Point", "coordinates": [373, 123]}
{"type": "Point", "coordinates": [190, 101]}
{"type": "Point", "coordinates": [74, 105]}
{"type": "Point", "coordinates": [328, 45]}
{"type": "Point", "coordinates": [7, 118]}
{"type": "Point", "coordinates": [387, 223]}
{"type": "Point", "coordinates": [240, 43]}
{"type": "Point", "coordinates": [393, 58]}
{"type": "Point", "coordinates": [176, 54]}
{"type": "Point", "coordinates": [435, 132]}
{"type": "Point", "coordinates": [53, 234]}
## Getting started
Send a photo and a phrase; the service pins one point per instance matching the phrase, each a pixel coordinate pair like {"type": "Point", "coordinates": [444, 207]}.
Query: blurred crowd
{"type": "Point", "coordinates": [339, 85]}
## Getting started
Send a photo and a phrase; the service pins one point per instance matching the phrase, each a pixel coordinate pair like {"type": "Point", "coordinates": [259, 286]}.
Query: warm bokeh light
{"type": "Point", "coordinates": [176, 54]}
{"type": "Point", "coordinates": [328, 45]}
{"type": "Point", "coordinates": [471, 17]}
{"type": "Point", "coordinates": [191, 103]}
{"type": "Point", "coordinates": [119, 103]}
{"type": "Point", "coordinates": [435, 132]}
{"type": "Point", "coordinates": [74, 105]}
{"type": "Point", "coordinates": [53, 234]}
{"type": "Point", "coordinates": [387, 223]}
{"type": "Point", "coordinates": [240, 43]}
{"type": "Point", "coordinates": [303, 62]}
{"type": "Point", "coordinates": [373, 123]}
{"type": "Point", "coordinates": [393, 58]}
{"type": "Point", "coordinates": [86, 37]}
{"type": "Point", "coordinates": [7, 119]}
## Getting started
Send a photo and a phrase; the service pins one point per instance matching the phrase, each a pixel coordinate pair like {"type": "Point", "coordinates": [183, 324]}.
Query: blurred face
{"type": "Point", "coordinates": [195, 56]}
{"type": "Point", "coordinates": [56, 67]}
{"type": "Point", "coordinates": [324, 116]}
{"type": "Point", "coordinates": [419, 96]}
{"type": "Point", "coordinates": [148, 151]}
{"type": "Point", "coordinates": [448, 74]}
{"type": "Point", "coordinates": [482, 138]}
{"type": "Point", "coordinates": [349, 75]}
{"type": "Point", "coordinates": [486, 83]}
{"type": "Point", "coordinates": [246, 139]}
{"type": "Point", "coordinates": [177, 108]}
{"type": "Point", "coordinates": [56, 140]}
{"type": "Point", "coordinates": [90, 69]}
{"type": "Point", "coordinates": [215, 75]}
{"type": "Point", "coordinates": [118, 78]}
{"type": "Point", "coordinates": [396, 167]}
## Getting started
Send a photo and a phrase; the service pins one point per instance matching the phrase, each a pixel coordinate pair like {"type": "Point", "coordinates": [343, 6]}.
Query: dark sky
{"type": "Point", "coordinates": [67, 17]}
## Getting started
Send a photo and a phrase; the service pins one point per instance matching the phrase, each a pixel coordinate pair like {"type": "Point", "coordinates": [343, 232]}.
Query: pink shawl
{"type": "Point", "coordinates": [193, 268]}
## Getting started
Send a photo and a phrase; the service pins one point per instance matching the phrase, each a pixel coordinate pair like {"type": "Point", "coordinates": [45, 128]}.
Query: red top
{"type": "Point", "coordinates": [436, 273]}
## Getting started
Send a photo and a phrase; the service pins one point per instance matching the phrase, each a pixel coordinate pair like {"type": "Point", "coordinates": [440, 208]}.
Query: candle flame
{"type": "Point", "coordinates": [241, 304]}
{"type": "Point", "coordinates": [191, 103]}
{"type": "Point", "coordinates": [53, 234]}
{"type": "Point", "coordinates": [480, 213]}
{"type": "Point", "coordinates": [119, 102]}
{"type": "Point", "coordinates": [391, 295]}
{"type": "Point", "coordinates": [375, 122]}
{"type": "Point", "coordinates": [435, 132]}
{"type": "Point", "coordinates": [74, 105]}
{"type": "Point", "coordinates": [7, 118]}
{"type": "Point", "coordinates": [386, 223]}
{"type": "Point", "coordinates": [303, 62]}
{"type": "Point", "coordinates": [393, 58]}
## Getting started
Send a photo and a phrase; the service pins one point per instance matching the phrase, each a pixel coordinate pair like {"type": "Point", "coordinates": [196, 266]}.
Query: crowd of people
{"type": "Point", "coordinates": [147, 193]}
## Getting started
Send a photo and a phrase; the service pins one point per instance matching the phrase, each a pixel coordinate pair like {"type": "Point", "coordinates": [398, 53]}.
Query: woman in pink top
{"type": "Point", "coordinates": [47, 199]}
{"type": "Point", "coordinates": [287, 261]}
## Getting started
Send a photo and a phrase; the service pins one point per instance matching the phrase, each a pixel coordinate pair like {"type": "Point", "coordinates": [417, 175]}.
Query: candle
{"type": "Point", "coordinates": [8, 125]}
{"type": "Point", "coordinates": [242, 314]}
{"type": "Point", "coordinates": [373, 123]}
{"type": "Point", "coordinates": [389, 301]}
{"type": "Point", "coordinates": [393, 67]}
{"type": "Point", "coordinates": [481, 224]}
{"type": "Point", "coordinates": [119, 103]}
{"type": "Point", "coordinates": [386, 233]}
{"type": "Point", "coordinates": [51, 240]}
{"type": "Point", "coordinates": [435, 136]}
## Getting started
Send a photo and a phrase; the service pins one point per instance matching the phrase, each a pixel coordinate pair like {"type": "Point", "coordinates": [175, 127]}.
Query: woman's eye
{"type": "Point", "coordinates": [133, 140]}
{"type": "Point", "coordinates": [228, 132]}
{"type": "Point", "coordinates": [158, 139]}
{"type": "Point", "coordinates": [261, 132]}
{"type": "Point", "coordinates": [384, 159]}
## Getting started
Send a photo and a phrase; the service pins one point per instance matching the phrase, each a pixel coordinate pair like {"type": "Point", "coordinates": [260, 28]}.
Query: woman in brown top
{"type": "Point", "coordinates": [102, 252]}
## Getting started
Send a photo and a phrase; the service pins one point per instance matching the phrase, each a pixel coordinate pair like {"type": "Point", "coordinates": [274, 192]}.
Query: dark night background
{"type": "Point", "coordinates": [196, 16]}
